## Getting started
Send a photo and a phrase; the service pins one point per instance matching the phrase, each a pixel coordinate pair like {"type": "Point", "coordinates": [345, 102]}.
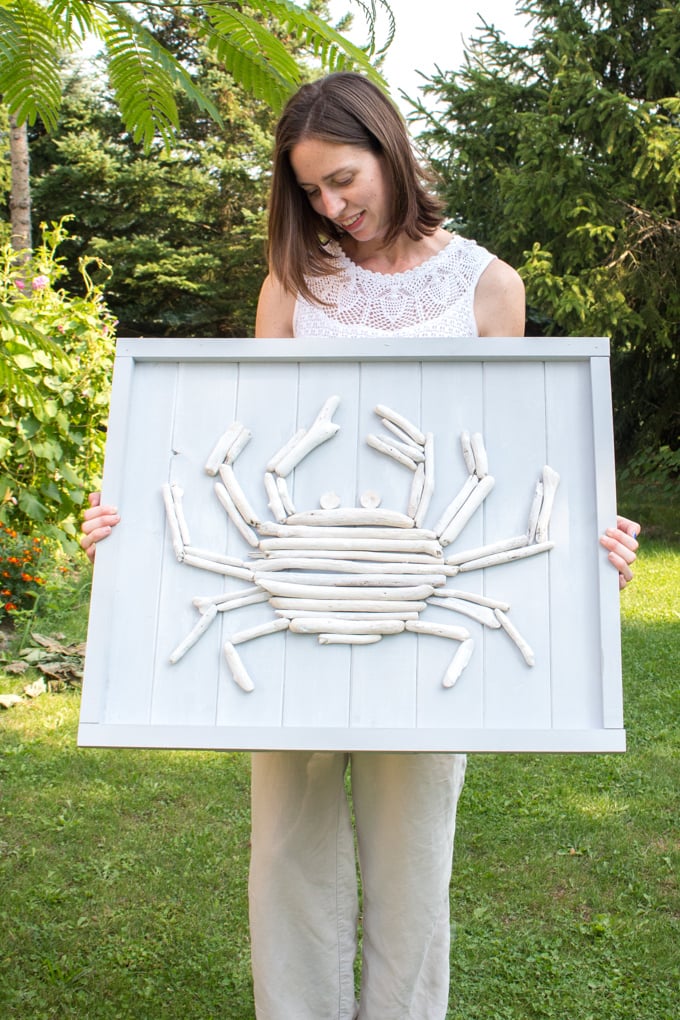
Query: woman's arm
{"type": "Point", "coordinates": [499, 304]}
{"type": "Point", "coordinates": [275, 310]}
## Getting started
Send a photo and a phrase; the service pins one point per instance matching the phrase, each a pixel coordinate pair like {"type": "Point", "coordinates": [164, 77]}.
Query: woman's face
{"type": "Point", "coordinates": [346, 184]}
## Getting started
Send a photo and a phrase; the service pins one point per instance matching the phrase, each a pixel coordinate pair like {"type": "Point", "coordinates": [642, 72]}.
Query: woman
{"type": "Point", "coordinates": [356, 248]}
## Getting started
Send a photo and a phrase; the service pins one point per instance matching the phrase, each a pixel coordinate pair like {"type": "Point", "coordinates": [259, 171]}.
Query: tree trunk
{"type": "Point", "coordinates": [20, 197]}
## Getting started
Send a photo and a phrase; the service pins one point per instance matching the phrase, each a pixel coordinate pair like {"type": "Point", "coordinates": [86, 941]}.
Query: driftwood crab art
{"type": "Point", "coordinates": [354, 575]}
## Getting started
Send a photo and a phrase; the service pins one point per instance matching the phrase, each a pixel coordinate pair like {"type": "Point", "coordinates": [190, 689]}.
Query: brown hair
{"type": "Point", "coordinates": [345, 109]}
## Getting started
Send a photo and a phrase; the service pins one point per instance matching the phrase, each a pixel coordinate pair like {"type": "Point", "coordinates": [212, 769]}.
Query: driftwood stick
{"type": "Point", "coordinates": [468, 596]}
{"type": "Point", "coordinates": [237, 446]}
{"type": "Point", "coordinates": [431, 572]}
{"type": "Point", "coordinates": [399, 433]}
{"type": "Point", "coordinates": [482, 614]}
{"type": "Point", "coordinates": [286, 448]}
{"type": "Point", "coordinates": [470, 483]}
{"type": "Point", "coordinates": [235, 600]}
{"type": "Point", "coordinates": [534, 511]}
{"type": "Point", "coordinates": [177, 498]}
{"type": "Point", "coordinates": [364, 580]}
{"type": "Point", "coordinates": [416, 492]}
{"type": "Point", "coordinates": [352, 516]}
{"type": "Point", "coordinates": [274, 496]}
{"type": "Point", "coordinates": [458, 663]}
{"type": "Point", "coordinates": [219, 568]}
{"type": "Point", "coordinates": [346, 545]}
{"type": "Point", "coordinates": [270, 529]}
{"type": "Point", "coordinates": [238, 496]}
{"type": "Point", "coordinates": [505, 557]}
{"type": "Point", "coordinates": [349, 639]}
{"type": "Point", "coordinates": [261, 630]}
{"type": "Point", "coordinates": [551, 480]}
{"type": "Point", "coordinates": [245, 600]}
{"type": "Point", "coordinates": [194, 634]}
{"type": "Point", "coordinates": [331, 626]}
{"type": "Point", "coordinates": [202, 601]}
{"type": "Point", "coordinates": [232, 510]}
{"type": "Point", "coordinates": [276, 586]}
{"type": "Point", "coordinates": [479, 454]}
{"type": "Point", "coordinates": [221, 447]}
{"type": "Point", "coordinates": [471, 504]}
{"type": "Point", "coordinates": [445, 630]}
{"type": "Point", "coordinates": [428, 484]}
{"type": "Point", "coordinates": [321, 429]}
{"type": "Point", "coordinates": [238, 670]}
{"type": "Point", "coordinates": [173, 524]}
{"type": "Point", "coordinates": [468, 455]}
{"type": "Point", "coordinates": [409, 449]}
{"type": "Point", "coordinates": [512, 632]}
{"type": "Point", "coordinates": [347, 605]}
{"type": "Point", "coordinates": [411, 430]}
{"type": "Point", "coordinates": [487, 550]}
{"type": "Point", "coordinates": [282, 486]}
{"type": "Point", "coordinates": [314, 614]}
{"type": "Point", "coordinates": [352, 555]}
{"type": "Point", "coordinates": [390, 450]}
{"type": "Point", "coordinates": [207, 554]}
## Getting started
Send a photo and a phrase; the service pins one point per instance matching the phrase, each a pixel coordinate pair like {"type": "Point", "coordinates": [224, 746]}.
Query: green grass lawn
{"type": "Point", "coordinates": [123, 873]}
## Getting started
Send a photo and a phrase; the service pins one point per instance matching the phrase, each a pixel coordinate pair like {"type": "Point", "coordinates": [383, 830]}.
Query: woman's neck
{"type": "Point", "coordinates": [398, 257]}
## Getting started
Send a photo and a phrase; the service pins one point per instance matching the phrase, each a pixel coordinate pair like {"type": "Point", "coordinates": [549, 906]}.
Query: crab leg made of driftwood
{"type": "Point", "coordinates": [274, 496]}
{"type": "Point", "coordinates": [482, 614]}
{"type": "Point", "coordinates": [364, 580]}
{"type": "Point", "coordinates": [407, 447]}
{"type": "Point", "coordinates": [399, 433]}
{"type": "Point", "coordinates": [260, 630]}
{"type": "Point", "coordinates": [458, 663]}
{"type": "Point", "coordinates": [282, 486]}
{"type": "Point", "coordinates": [352, 517]}
{"type": "Point", "coordinates": [445, 630]}
{"type": "Point", "coordinates": [512, 632]}
{"type": "Point", "coordinates": [232, 510]}
{"type": "Point", "coordinates": [349, 639]}
{"type": "Point", "coordinates": [216, 567]}
{"type": "Point", "coordinates": [347, 605]}
{"type": "Point", "coordinates": [416, 493]}
{"type": "Point", "coordinates": [505, 557]}
{"type": "Point", "coordinates": [207, 554]}
{"type": "Point", "coordinates": [479, 454]}
{"type": "Point", "coordinates": [534, 511]}
{"type": "Point", "coordinates": [173, 523]}
{"type": "Point", "coordinates": [230, 600]}
{"type": "Point", "coordinates": [471, 504]}
{"type": "Point", "coordinates": [347, 545]}
{"type": "Point", "coordinates": [286, 448]}
{"type": "Point", "coordinates": [236, 667]}
{"type": "Point", "coordinates": [428, 484]}
{"type": "Point", "coordinates": [390, 450]}
{"type": "Point", "coordinates": [328, 625]}
{"type": "Point", "coordinates": [277, 586]}
{"type": "Point", "coordinates": [237, 446]}
{"type": "Point", "coordinates": [468, 455]}
{"type": "Point", "coordinates": [488, 550]}
{"type": "Point", "coordinates": [551, 480]}
{"type": "Point", "coordinates": [238, 496]}
{"type": "Point", "coordinates": [411, 430]}
{"type": "Point", "coordinates": [470, 483]}
{"type": "Point", "coordinates": [321, 429]}
{"type": "Point", "coordinates": [177, 498]}
{"type": "Point", "coordinates": [468, 596]}
{"type": "Point", "coordinates": [221, 448]}
{"type": "Point", "coordinates": [192, 637]}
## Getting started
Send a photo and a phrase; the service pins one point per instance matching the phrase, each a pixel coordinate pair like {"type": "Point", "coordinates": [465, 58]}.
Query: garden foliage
{"type": "Point", "coordinates": [55, 364]}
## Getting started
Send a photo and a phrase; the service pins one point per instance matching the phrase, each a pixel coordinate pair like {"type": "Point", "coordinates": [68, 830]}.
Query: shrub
{"type": "Point", "coordinates": [56, 359]}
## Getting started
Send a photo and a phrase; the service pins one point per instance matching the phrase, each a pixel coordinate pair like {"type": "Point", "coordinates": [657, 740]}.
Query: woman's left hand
{"type": "Point", "coordinates": [621, 542]}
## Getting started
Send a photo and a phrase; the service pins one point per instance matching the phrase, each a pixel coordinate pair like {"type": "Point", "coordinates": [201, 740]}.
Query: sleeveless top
{"type": "Point", "coordinates": [432, 299]}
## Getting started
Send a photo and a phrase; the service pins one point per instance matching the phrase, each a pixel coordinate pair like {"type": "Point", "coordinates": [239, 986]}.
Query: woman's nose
{"type": "Point", "coordinates": [331, 204]}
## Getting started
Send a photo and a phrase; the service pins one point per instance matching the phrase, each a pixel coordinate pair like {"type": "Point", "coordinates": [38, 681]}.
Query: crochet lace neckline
{"type": "Point", "coordinates": [337, 251]}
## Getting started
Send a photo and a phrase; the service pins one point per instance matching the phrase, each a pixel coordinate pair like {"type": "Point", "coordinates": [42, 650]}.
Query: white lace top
{"type": "Point", "coordinates": [433, 299]}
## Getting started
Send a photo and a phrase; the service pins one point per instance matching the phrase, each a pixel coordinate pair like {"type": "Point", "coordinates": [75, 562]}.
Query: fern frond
{"type": "Point", "coordinates": [30, 41]}
{"type": "Point", "coordinates": [143, 75]}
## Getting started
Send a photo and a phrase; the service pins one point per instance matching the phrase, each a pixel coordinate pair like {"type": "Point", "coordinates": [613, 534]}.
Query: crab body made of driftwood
{"type": "Point", "coordinates": [353, 575]}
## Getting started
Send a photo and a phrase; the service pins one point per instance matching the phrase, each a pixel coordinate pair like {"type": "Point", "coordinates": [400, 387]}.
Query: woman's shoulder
{"type": "Point", "coordinates": [500, 301]}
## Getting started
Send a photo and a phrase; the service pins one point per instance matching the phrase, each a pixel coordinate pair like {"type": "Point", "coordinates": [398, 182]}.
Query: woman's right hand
{"type": "Point", "coordinates": [98, 522]}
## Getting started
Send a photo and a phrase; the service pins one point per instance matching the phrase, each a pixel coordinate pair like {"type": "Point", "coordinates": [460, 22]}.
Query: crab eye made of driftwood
{"type": "Point", "coordinates": [356, 575]}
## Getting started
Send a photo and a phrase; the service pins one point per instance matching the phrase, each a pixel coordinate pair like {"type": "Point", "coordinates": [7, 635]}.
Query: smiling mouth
{"type": "Point", "coordinates": [348, 224]}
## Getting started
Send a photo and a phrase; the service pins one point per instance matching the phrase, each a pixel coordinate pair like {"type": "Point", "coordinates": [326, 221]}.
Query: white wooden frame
{"type": "Point", "coordinates": [535, 402]}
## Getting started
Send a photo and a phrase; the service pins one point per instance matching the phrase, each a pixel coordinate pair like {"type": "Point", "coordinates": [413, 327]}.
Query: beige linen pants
{"type": "Point", "coordinates": [303, 884]}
